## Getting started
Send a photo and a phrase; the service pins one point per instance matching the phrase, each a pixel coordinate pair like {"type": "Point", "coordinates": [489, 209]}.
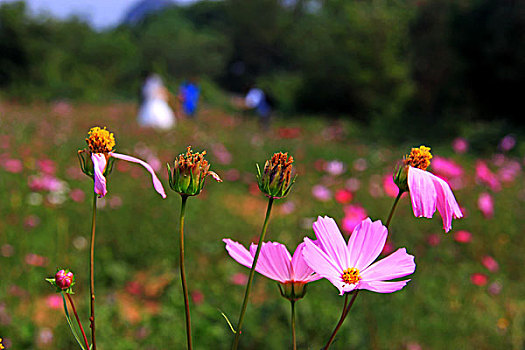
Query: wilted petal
{"type": "Point", "coordinates": [215, 176]}
{"type": "Point", "coordinates": [99, 165]}
{"type": "Point", "coordinates": [383, 287]}
{"type": "Point", "coordinates": [396, 265]}
{"type": "Point", "coordinates": [447, 206]}
{"type": "Point", "coordinates": [300, 270]}
{"type": "Point", "coordinates": [422, 192]}
{"type": "Point", "coordinates": [366, 243]}
{"type": "Point", "coordinates": [156, 182]}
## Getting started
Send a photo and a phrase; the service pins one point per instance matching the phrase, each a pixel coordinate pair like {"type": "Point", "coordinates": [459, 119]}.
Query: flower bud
{"type": "Point", "coordinates": [276, 179]}
{"type": "Point", "coordinates": [64, 279]}
{"type": "Point", "coordinates": [293, 291]}
{"type": "Point", "coordinates": [189, 173]}
{"type": "Point", "coordinates": [401, 178]}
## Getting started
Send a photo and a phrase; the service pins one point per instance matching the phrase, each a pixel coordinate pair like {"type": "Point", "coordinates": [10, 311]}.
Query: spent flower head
{"type": "Point", "coordinates": [97, 161]}
{"type": "Point", "coordinates": [189, 173]}
{"type": "Point", "coordinates": [428, 192]}
{"type": "Point", "coordinates": [276, 179]}
{"type": "Point", "coordinates": [63, 281]}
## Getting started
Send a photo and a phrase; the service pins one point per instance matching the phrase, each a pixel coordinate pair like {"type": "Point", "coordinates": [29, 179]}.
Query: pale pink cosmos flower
{"type": "Point", "coordinates": [490, 263]}
{"type": "Point", "coordinates": [486, 205]}
{"type": "Point", "coordinates": [101, 143]}
{"type": "Point", "coordinates": [349, 266]}
{"type": "Point", "coordinates": [428, 192]}
{"type": "Point", "coordinates": [463, 236]}
{"type": "Point", "coordinates": [275, 262]}
{"type": "Point", "coordinates": [460, 145]}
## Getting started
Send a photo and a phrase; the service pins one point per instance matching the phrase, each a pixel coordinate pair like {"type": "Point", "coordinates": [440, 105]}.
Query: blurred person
{"type": "Point", "coordinates": [257, 100]}
{"type": "Point", "coordinates": [188, 98]}
{"type": "Point", "coordinates": [154, 111]}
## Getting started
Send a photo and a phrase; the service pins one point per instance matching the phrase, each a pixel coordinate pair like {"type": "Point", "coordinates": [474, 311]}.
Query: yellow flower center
{"type": "Point", "coordinates": [351, 275]}
{"type": "Point", "coordinates": [418, 158]}
{"type": "Point", "coordinates": [100, 140]}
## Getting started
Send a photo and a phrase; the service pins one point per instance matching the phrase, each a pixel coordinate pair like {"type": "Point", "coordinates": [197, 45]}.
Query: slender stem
{"type": "Point", "coordinates": [250, 278]}
{"type": "Point", "coordinates": [183, 273]}
{"type": "Point", "coordinates": [399, 193]}
{"type": "Point", "coordinates": [346, 310]}
{"type": "Point", "coordinates": [78, 320]}
{"type": "Point", "coordinates": [293, 325]}
{"type": "Point", "coordinates": [92, 272]}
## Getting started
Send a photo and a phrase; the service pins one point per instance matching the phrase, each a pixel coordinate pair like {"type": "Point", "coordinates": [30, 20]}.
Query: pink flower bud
{"type": "Point", "coordinates": [64, 279]}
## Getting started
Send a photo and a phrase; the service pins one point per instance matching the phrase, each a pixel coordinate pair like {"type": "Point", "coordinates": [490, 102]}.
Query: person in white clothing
{"type": "Point", "coordinates": [155, 111]}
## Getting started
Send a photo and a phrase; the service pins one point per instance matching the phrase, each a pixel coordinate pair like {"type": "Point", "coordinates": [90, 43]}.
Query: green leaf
{"type": "Point", "coordinates": [71, 324]}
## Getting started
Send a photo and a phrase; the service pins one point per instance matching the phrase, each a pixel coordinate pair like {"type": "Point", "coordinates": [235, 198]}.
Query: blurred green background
{"type": "Point", "coordinates": [355, 85]}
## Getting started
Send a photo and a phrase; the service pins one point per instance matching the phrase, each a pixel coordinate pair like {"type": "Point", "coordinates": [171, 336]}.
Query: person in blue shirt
{"type": "Point", "coordinates": [189, 93]}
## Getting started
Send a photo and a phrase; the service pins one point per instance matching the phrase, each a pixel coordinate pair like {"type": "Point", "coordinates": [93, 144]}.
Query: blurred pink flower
{"type": "Point", "coordinates": [35, 260]}
{"type": "Point", "coordinates": [77, 195]}
{"type": "Point", "coordinates": [115, 202]}
{"type": "Point", "coordinates": [221, 153]}
{"type": "Point", "coordinates": [460, 145]}
{"type": "Point", "coordinates": [13, 165]}
{"type": "Point", "coordinates": [287, 207]}
{"type": "Point", "coordinates": [349, 267]}
{"type": "Point", "coordinates": [7, 250]}
{"type": "Point", "coordinates": [354, 214]}
{"type": "Point", "coordinates": [321, 193]}
{"type": "Point", "coordinates": [487, 177]}
{"type": "Point", "coordinates": [353, 184]}
{"type": "Point", "coordinates": [490, 263]}
{"type": "Point", "coordinates": [446, 167]}
{"type": "Point", "coordinates": [275, 262]}
{"type": "Point", "coordinates": [197, 297]}
{"type": "Point", "coordinates": [47, 166]}
{"type": "Point", "coordinates": [45, 182]}
{"type": "Point", "coordinates": [463, 236]}
{"type": "Point", "coordinates": [239, 279]}
{"type": "Point", "coordinates": [343, 196]}
{"type": "Point", "coordinates": [360, 164]}
{"type": "Point", "coordinates": [486, 205]}
{"type": "Point", "coordinates": [507, 143]}
{"type": "Point", "coordinates": [495, 288]}
{"type": "Point", "coordinates": [389, 186]}
{"type": "Point", "coordinates": [509, 171]}
{"type": "Point", "coordinates": [31, 221]}
{"type": "Point", "coordinates": [479, 279]}
{"type": "Point", "coordinates": [433, 239]}
{"type": "Point", "coordinates": [428, 193]}
{"type": "Point", "coordinates": [232, 175]}
{"type": "Point", "coordinates": [54, 301]}
{"type": "Point", "coordinates": [334, 167]}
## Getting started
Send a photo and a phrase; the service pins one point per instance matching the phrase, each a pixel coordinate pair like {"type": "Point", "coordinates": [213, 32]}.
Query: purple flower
{"type": "Point", "coordinates": [349, 266]}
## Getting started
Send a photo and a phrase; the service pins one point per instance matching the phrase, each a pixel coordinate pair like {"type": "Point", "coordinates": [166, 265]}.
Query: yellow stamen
{"type": "Point", "coordinates": [351, 275]}
{"type": "Point", "coordinates": [418, 158]}
{"type": "Point", "coordinates": [100, 140]}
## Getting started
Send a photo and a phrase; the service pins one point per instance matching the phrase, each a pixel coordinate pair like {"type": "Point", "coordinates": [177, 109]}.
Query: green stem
{"type": "Point", "coordinates": [399, 194]}
{"type": "Point", "coordinates": [183, 273]}
{"type": "Point", "coordinates": [78, 320]}
{"type": "Point", "coordinates": [250, 278]}
{"type": "Point", "coordinates": [92, 272]}
{"type": "Point", "coordinates": [293, 325]}
{"type": "Point", "coordinates": [346, 310]}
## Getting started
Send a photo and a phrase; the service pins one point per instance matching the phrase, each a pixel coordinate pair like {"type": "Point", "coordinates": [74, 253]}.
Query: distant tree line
{"type": "Point", "coordinates": [392, 63]}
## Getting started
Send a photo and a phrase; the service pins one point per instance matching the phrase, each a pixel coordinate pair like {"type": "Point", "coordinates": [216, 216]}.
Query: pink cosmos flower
{"type": "Point", "coordinates": [343, 196]}
{"type": "Point", "coordinates": [490, 263]}
{"type": "Point", "coordinates": [487, 177]}
{"type": "Point", "coordinates": [486, 205]}
{"type": "Point", "coordinates": [321, 193]}
{"type": "Point", "coordinates": [427, 191]}
{"type": "Point", "coordinates": [354, 214]}
{"type": "Point", "coordinates": [349, 266]}
{"type": "Point", "coordinates": [479, 279]}
{"type": "Point", "coordinates": [389, 186]}
{"type": "Point", "coordinates": [460, 145]}
{"type": "Point", "coordinates": [101, 144]}
{"type": "Point", "coordinates": [446, 167]}
{"type": "Point", "coordinates": [463, 236]}
{"type": "Point", "coordinates": [275, 262]}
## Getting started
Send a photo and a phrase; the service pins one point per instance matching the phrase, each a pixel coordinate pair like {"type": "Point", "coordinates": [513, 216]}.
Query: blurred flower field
{"type": "Point", "coordinates": [467, 291]}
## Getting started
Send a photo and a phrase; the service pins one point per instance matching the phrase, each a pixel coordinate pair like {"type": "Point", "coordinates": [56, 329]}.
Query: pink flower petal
{"type": "Point", "coordinates": [275, 262]}
{"type": "Point", "coordinates": [366, 243]}
{"type": "Point", "coordinates": [301, 272]}
{"type": "Point", "coordinates": [156, 182]}
{"type": "Point", "coordinates": [99, 165]}
{"type": "Point", "coordinates": [238, 252]}
{"type": "Point", "coordinates": [428, 193]}
{"type": "Point", "coordinates": [383, 287]}
{"type": "Point", "coordinates": [323, 264]}
{"type": "Point", "coordinates": [396, 265]}
{"type": "Point", "coordinates": [331, 240]}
